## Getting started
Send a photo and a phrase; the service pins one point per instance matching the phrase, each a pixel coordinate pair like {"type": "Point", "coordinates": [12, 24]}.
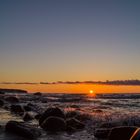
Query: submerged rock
{"type": "Point", "coordinates": [54, 124]}
{"type": "Point", "coordinates": [12, 99]}
{"type": "Point", "coordinates": [74, 123]}
{"type": "Point", "coordinates": [20, 129]}
{"type": "Point", "coordinates": [53, 111]}
{"type": "Point", "coordinates": [37, 94]}
{"type": "Point", "coordinates": [122, 133]}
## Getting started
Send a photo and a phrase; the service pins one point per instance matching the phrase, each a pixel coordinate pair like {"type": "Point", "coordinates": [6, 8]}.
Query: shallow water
{"type": "Point", "coordinates": [102, 108]}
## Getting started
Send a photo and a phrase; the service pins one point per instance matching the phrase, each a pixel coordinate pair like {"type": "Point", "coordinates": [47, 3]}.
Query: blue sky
{"type": "Point", "coordinates": [50, 40]}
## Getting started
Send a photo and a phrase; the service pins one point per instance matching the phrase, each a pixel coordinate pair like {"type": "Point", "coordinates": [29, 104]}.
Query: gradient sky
{"type": "Point", "coordinates": [51, 40]}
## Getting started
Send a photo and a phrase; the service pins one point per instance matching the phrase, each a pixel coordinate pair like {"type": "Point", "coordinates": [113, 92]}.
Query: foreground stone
{"type": "Point", "coordinates": [53, 111]}
{"type": "Point", "coordinates": [17, 109]}
{"type": "Point", "coordinates": [54, 124]}
{"type": "Point", "coordinates": [122, 133]}
{"type": "Point", "coordinates": [20, 129]}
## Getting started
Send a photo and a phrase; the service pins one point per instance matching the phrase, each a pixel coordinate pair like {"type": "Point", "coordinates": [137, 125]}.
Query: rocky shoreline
{"type": "Point", "coordinates": [37, 122]}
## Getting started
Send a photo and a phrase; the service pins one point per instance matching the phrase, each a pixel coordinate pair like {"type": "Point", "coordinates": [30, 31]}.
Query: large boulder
{"type": "Point", "coordinates": [122, 133]}
{"type": "Point", "coordinates": [53, 111]}
{"type": "Point", "coordinates": [17, 109]}
{"type": "Point", "coordinates": [20, 129]}
{"type": "Point", "coordinates": [12, 99]}
{"type": "Point", "coordinates": [54, 124]}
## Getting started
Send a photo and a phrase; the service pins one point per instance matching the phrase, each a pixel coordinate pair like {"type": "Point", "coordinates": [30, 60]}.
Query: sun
{"type": "Point", "coordinates": [91, 91]}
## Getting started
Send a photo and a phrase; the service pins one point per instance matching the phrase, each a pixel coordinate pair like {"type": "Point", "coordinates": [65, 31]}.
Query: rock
{"type": "Point", "coordinates": [1, 103]}
{"type": "Point", "coordinates": [17, 109]}
{"type": "Point", "coordinates": [136, 135]}
{"type": "Point", "coordinates": [98, 111]}
{"type": "Point", "coordinates": [12, 99]}
{"type": "Point", "coordinates": [122, 133]}
{"type": "Point", "coordinates": [53, 111]}
{"type": "Point", "coordinates": [37, 117]}
{"type": "Point", "coordinates": [110, 124]}
{"type": "Point", "coordinates": [27, 108]}
{"type": "Point", "coordinates": [102, 133]}
{"type": "Point", "coordinates": [54, 124]}
{"type": "Point", "coordinates": [37, 94]}
{"type": "Point", "coordinates": [27, 117]}
{"type": "Point", "coordinates": [22, 130]}
{"type": "Point", "coordinates": [74, 123]}
{"type": "Point", "coordinates": [1, 92]}
{"type": "Point", "coordinates": [71, 114]}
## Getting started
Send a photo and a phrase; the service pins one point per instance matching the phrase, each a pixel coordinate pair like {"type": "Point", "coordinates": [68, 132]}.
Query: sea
{"type": "Point", "coordinates": [98, 109]}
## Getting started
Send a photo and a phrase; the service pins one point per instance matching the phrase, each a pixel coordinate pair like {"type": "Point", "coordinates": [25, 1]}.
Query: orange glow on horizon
{"type": "Point", "coordinates": [74, 88]}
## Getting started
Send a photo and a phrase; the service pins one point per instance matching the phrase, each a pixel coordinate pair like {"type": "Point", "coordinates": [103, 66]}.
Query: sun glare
{"type": "Point", "coordinates": [92, 93]}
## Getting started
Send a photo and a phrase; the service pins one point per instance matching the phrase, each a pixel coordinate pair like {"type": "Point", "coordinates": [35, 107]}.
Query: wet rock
{"type": "Point", "coordinates": [71, 114]}
{"type": "Point", "coordinates": [53, 111]}
{"type": "Point", "coordinates": [12, 99]}
{"type": "Point", "coordinates": [20, 129]}
{"type": "Point", "coordinates": [27, 117]}
{"type": "Point", "coordinates": [122, 133]}
{"type": "Point", "coordinates": [136, 135]}
{"type": "Point", "coordinates": [27, 108]}
{"type": "Point", "coordinates": [1, 103]}
{"type": "Point", "coordinates": [17, 109]}
{"type": "Point", "coordinates": [1, 92]}
{"type": "Point", "coordinates": [110, 124]}
{"type": "Point", "coordinates": [54, 124]}
{"type": "Point", "coordinates": [102, 133]}
{"type": "Point", "coordinates": [37, 117]}
{"type": "Point", "coordinates": [74, 123]}
{"type": "Point", "coordinates": [98, 111]}
{"type": "Point", "coordinates": [37, 94]}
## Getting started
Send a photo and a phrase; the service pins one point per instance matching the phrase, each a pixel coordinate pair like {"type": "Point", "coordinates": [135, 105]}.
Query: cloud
{"type": "Point", "coordinates": [107, 82]}
{"type": "Point", "coordinates": [18, 83]}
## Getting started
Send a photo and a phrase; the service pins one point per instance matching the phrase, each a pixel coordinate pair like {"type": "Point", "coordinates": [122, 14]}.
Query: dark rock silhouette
{"type": "Point", "coordinates": [20, 129]}
{"type": "Point", "coordinates": [17, 109]}
{"type": "Point", "coordinates": [27, 108]}
{"type": "Point", "coordinates": [122, 133]}
{"type": "Point", "coordinates": [54, 124]}
{"type": "Point", "coordinates": [38, 116]}
{"type": "Point", "coordinates": [1, 103]}
{"type": "Point", "coordinates": [38, 94]}
{"type": "Point", "coordinates": [53, 111]}
{"type": "Point", "coordinates": [12, 91]}
{"type": "Point", "coordinates": [2, 92]}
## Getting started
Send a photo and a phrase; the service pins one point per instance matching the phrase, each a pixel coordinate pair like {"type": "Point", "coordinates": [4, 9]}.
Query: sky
{"type": "Point", "coordinates": [69, 40]}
